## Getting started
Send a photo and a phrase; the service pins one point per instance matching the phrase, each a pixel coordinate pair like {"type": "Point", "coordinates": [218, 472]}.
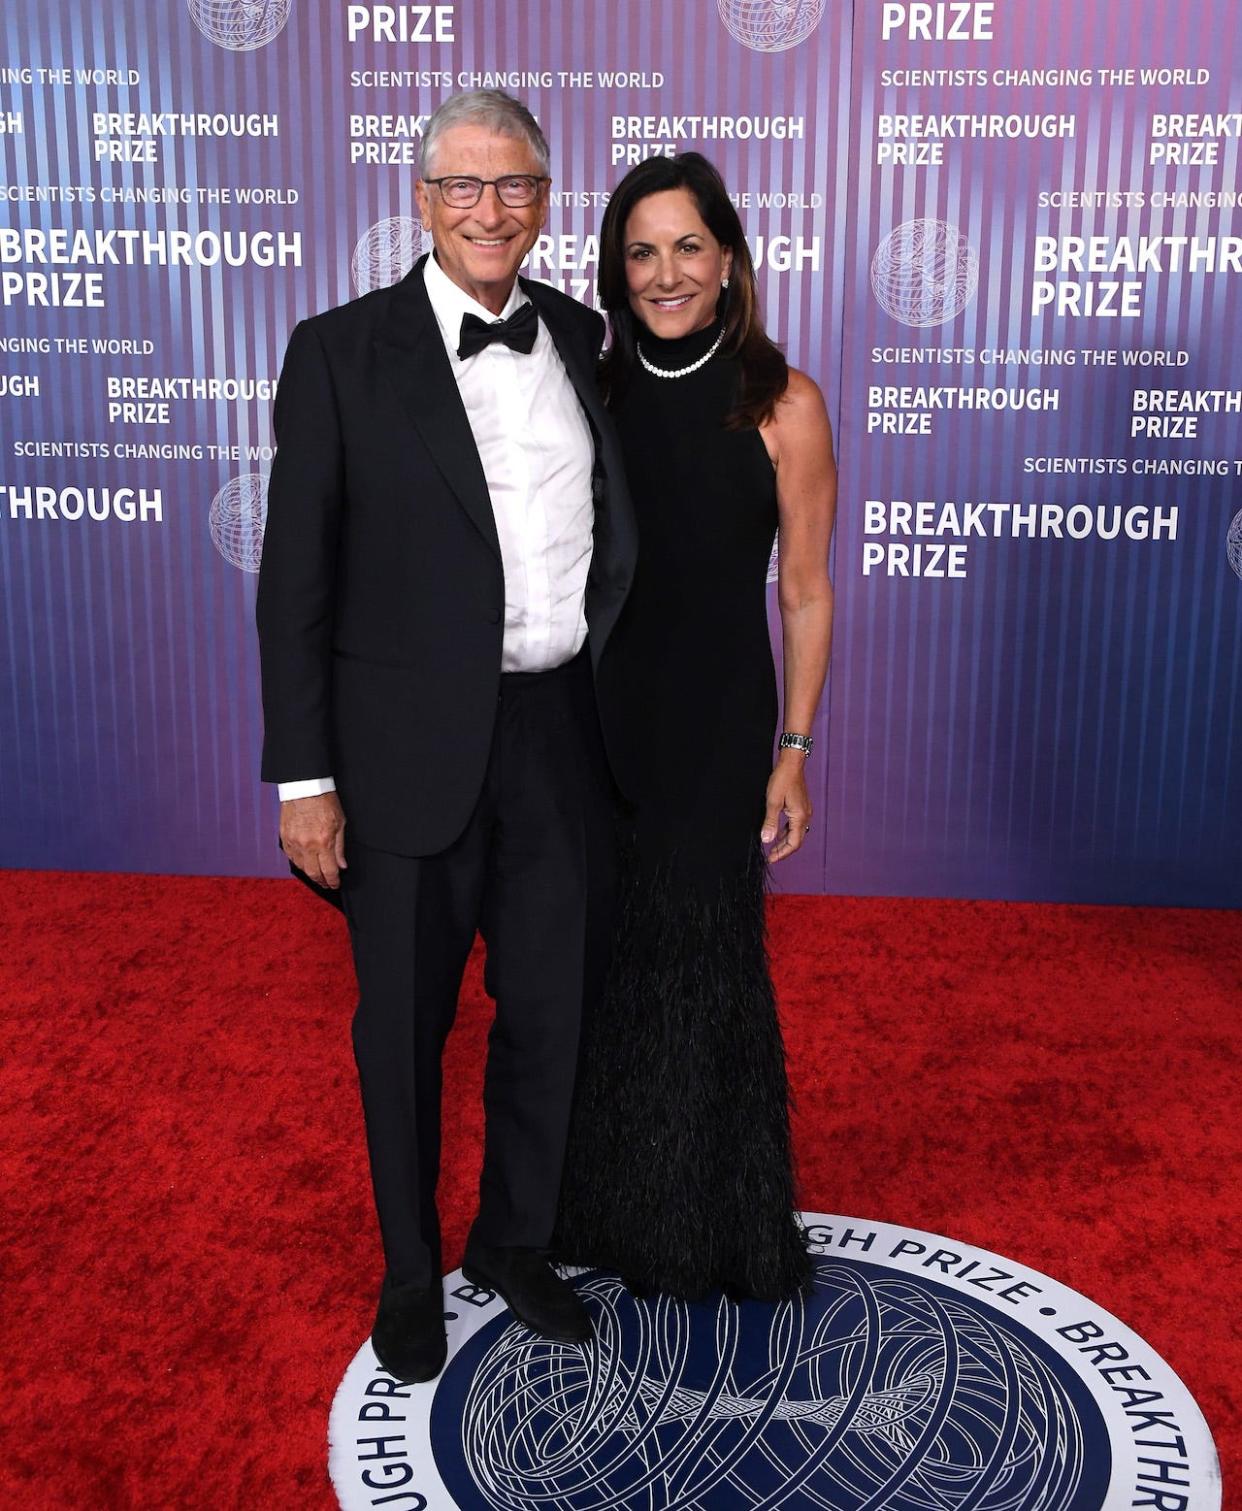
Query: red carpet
{"type": "Point", "coordinates": [190, 1256]}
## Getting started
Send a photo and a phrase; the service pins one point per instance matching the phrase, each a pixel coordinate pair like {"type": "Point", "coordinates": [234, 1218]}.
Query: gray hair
{"type": "Point", "coordinates": [486, 107]}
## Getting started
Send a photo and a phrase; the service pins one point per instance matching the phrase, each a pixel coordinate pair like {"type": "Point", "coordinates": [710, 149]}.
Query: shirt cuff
{"type": "Point", "coordinates": [314, 786]}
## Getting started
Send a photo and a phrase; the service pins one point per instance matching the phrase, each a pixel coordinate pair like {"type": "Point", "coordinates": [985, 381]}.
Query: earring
{"type": "Point", "coordinates": [724, 283]}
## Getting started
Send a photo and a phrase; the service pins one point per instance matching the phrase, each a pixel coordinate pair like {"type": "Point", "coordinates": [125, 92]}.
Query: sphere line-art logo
{"type": "Point", "coordinates": [1233, 543]}
{"type": "Point", "coordinates": [879, 1391]}
{"type": "Point", "coordinates": [924, 273]}
{"type": "Point", "coordinates": [238, 518]}
{"type": "Point", "coordinates": [387, 252]}
{"type": "Point", "coordinates": [240, 25]}
{"type": "Point", "coordinates": [917, 1373]}
{"type": "Point", "coordinates": [771, 25]}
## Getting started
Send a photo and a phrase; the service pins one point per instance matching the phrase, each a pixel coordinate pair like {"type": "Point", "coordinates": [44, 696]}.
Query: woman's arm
{"type": "Point", "coordinates": [799, 441]}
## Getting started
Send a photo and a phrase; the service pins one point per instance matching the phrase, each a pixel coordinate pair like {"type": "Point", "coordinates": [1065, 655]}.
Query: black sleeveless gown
{"type": "Point", "coordinates": [678, 1168]}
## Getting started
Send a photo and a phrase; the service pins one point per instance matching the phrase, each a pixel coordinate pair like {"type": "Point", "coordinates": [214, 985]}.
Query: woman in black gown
{"type": "Point", "coordinates": [678, 1170]}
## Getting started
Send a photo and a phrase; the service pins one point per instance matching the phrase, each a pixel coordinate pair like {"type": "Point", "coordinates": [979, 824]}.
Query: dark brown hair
{"type": "Point", "coordinates": [765, 373]}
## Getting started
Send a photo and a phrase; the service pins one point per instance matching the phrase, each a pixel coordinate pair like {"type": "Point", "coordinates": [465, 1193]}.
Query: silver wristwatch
{"type": "Point", "coordinates": [797, 742]}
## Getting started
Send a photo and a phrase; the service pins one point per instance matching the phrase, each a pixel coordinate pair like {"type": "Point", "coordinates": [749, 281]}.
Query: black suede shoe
{"type": "Point", "coordinates": [408, 1336]}
{"type": "Point", "coordinates": [535, 1293]}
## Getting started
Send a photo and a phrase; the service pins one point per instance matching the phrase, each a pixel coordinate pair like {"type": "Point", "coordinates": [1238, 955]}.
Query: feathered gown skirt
{"type": "Point", "coordinates": [678, 1171]}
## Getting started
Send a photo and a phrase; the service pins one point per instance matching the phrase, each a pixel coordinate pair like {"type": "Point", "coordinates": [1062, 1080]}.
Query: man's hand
{"type": "Point", "coordinates": [787, 795]}
{"type": "Point", "coordinates": [312, 835]}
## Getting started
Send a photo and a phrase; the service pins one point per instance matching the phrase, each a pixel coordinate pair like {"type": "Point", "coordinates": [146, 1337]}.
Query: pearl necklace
{"type": "Point", "coordinates": [680, 372]}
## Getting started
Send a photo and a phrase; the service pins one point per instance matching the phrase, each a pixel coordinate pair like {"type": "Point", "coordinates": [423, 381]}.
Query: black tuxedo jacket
{"type": "Point", "coordinates": [381, 591]}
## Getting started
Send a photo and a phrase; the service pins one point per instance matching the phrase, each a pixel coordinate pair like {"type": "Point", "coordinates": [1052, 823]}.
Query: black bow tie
{"type": "Point", "coordinates": [517, 332]}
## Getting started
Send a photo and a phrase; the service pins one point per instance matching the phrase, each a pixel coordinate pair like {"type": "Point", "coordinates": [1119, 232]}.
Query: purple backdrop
{"type": "Point", "coordinates": [1057, 718]}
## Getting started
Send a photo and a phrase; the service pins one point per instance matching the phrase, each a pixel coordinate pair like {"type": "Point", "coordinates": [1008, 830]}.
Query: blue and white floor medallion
{"type": "Point", "coordinates": [920, 1375]}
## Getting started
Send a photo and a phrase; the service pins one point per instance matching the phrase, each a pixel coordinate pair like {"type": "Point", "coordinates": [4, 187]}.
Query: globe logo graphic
{"type": "Point", "coordinates": [240, 25]}
{"type": "Point", "coordinates": [1233, 543]}
{"type": "Point", "coordinates": [237, 520]}
{"type": "Point", "coordinates": [771, 25]}
{"type": "Point", "coordinates": [880, 1389]}
{"type": "Point", "coordinates": [924, 272]}
{"type": "Point", "coordinates": [388, 251]}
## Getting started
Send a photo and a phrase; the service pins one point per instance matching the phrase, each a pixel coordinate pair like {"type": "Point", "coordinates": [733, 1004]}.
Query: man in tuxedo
{"type": "Point", "coordinates": [447, 519]}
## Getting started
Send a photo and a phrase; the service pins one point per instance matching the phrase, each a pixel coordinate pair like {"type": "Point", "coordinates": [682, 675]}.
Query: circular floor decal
{"type": "Point", "coordinates": [920, 1375]}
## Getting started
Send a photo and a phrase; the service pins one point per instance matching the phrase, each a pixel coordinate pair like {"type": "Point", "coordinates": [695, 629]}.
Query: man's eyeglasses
{"type": "Point", "coordinates": [515, 190]}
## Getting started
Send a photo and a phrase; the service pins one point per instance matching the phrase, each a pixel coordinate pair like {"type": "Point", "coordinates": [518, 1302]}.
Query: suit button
{"type": "Point", "coordinates": [493, 616]}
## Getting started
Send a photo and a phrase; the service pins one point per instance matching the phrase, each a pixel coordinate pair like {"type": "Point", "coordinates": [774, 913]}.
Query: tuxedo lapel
{"type": "Point", "coordinates": [616, 537]}
{"type": "Point", "coordinates": [411, 355]}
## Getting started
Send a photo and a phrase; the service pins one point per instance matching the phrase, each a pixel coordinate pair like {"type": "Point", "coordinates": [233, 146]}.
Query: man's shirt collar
{"type": "Point", "coordinates": [449, 303]}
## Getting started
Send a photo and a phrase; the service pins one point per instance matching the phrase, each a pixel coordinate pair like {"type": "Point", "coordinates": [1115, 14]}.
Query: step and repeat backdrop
{"type": "Point", "coordinates": [999, 235]}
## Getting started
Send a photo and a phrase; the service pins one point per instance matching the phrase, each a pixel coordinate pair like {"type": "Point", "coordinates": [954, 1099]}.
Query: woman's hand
{"type": "Point", "coordinates": [787, 795]}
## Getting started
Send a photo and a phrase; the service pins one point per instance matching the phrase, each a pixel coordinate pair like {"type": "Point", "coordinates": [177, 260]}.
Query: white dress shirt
{"type": "Point", "coordinates": [537, 453]}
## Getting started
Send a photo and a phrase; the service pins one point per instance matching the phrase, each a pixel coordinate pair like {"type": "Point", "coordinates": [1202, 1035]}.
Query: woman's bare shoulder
{"type": "Point", "coordinates": [801, 413]}
{"type": "Point", "coordinates": [803, 399]}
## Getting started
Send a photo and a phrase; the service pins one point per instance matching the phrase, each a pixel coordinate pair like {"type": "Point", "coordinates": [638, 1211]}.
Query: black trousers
{"type": "Point", "coordinates": [534, 873]}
